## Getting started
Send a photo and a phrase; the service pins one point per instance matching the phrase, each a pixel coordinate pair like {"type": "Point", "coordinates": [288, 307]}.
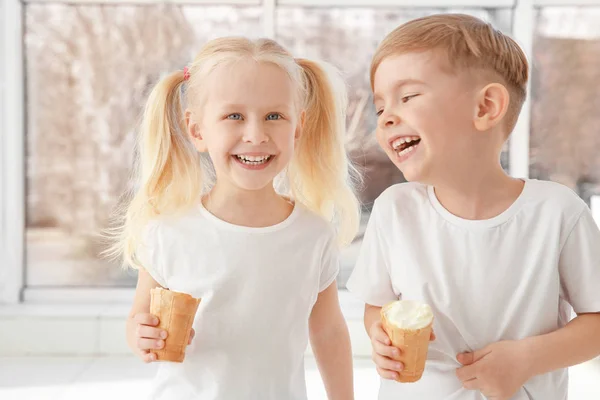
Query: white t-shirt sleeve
{"type": "Point", "coordinates": [579, 265]}
{"type": "Point", "coordinates": [371, 279]}
{"type": "Point", "coordinates": [149, 254]}
{"type": "Point", "coordinates": [330, 263]}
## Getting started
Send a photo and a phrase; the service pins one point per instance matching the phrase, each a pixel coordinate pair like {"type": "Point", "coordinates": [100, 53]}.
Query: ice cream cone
{"type": "Point", "coordinates": [176, 312]}
{"type": "Point", "coordinates": [413, 345]}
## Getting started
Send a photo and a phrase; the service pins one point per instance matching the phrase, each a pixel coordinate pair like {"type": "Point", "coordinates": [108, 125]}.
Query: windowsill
{"type": "Point", "coordinates": [74, 329]}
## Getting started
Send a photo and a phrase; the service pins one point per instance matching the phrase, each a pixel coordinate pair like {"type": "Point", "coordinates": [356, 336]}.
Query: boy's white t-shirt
{"type": "Point", "coordinates": [258, 287]}
{"type": "Point", "coordinates": [506, 278]}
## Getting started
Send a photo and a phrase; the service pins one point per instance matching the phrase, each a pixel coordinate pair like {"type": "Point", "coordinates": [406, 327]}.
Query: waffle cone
{"type": "Point", "coordinates": [413, 345]}
{"type": "Point", "coordinates": [176, 312]}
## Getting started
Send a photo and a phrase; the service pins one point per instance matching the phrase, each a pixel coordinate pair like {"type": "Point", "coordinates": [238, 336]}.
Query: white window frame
{"type": "Point", "coordinates": [12, 113]}
{"type": "Point", "coordinates": [12, 153]}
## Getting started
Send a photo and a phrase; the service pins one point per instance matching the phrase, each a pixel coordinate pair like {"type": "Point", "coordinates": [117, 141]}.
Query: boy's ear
{"type": "Point", "coordinates": [194, 132]}
{"type": "Point", "coordinates": [491, 107]}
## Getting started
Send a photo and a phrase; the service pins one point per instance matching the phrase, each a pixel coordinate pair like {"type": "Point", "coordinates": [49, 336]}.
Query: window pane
{"type": "Point", "coordinates": [565, 121]}
{"type": "Point", "coordinates": [347, 37]}
{"type": "Point", "coordinates": [89, 70]}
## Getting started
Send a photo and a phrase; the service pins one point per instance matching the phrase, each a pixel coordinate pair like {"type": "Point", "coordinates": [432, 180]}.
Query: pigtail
{"type": "Point", "coordinates": [168, 173]}
{"type": "Point", "coordinates": [320, 173]}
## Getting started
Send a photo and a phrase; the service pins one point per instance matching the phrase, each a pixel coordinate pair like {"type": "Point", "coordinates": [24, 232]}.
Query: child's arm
{"type": "Point", "coordinates": [577, 342]}
{"type": "Point", "coordinates": [330, 343]}
{"type": "Point", "coordinates": [500, 369]}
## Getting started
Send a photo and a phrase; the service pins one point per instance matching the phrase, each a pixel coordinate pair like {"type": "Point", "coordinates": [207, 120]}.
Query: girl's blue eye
{"type": "Point", "coordinates": [235, 116]}
{"type": "Point", "coordinates": [273, 117]}
{"type": "Point", "coordinates": [379, 112]}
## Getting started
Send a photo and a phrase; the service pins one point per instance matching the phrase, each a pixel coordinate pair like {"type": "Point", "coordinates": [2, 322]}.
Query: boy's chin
{"type": "Point", "coordinates": [412, 172]}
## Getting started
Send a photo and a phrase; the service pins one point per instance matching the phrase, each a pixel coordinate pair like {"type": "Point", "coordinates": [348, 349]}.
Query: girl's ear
{"type": "Point", "coordinates": [194, 132]}
{"type": "Point", "coordinates": [300, 125]}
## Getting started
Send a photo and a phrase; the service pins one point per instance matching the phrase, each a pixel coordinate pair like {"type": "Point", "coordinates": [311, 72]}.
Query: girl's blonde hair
{"type": "Point", "coordinates": [171, 176]}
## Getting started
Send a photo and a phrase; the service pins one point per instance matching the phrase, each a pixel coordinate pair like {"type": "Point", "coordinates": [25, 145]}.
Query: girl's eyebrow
{"type": "Point", "coordinates": [242, 106]}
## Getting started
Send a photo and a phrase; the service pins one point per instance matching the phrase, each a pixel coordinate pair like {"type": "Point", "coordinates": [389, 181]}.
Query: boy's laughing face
{"type": "Point", "coordinates": [425, 114]}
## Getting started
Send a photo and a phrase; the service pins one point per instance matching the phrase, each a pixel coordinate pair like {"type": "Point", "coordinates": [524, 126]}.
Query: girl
{"type": "Point", "coordinates": [264, 262]}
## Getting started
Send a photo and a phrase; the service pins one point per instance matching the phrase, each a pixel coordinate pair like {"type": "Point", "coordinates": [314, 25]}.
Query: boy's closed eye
{"type": "Point", "coordinates": [405, 99]}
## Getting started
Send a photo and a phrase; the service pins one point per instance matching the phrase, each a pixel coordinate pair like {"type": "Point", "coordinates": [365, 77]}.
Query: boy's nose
{"type": "Point", "coordinates": [390, 120]}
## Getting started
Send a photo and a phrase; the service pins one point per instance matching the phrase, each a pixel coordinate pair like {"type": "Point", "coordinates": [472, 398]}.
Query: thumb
{"type": "Point", "coordinates": [469, 358]}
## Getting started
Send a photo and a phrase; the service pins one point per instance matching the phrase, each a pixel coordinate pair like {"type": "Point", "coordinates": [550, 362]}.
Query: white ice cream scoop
{"type": "Point", "coordinates": [409, 314]}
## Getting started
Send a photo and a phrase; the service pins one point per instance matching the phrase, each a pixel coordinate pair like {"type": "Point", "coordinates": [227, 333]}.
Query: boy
{"type": "Point", "coordinates": [499, 260]}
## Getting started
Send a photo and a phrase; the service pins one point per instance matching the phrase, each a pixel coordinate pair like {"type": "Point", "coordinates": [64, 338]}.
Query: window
{"type": "Point", "coordinates": [565, 122]}
{"type": "Point", "coordinates": [89, 69]}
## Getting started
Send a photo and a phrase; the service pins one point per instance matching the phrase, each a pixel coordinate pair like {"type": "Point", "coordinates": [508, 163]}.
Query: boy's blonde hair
{"type": "Point", "coordinates": [469, 43]}
{"type": "Point", "coordinates": [171, 176]}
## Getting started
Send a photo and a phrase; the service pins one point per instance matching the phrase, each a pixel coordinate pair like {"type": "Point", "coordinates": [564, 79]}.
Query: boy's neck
{"type": "Point", "coordinates": [480, 194]}
{"type": "Point", "coordinates": [253, 208]}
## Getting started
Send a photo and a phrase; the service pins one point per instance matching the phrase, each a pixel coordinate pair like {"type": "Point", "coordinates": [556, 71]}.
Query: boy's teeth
{"type": "Point", "coordinates": [400, 141]}
{"type": "Point", "coordinates": [407, 150]}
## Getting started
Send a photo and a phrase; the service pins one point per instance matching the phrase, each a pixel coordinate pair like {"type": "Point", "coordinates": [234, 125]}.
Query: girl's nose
{"type": "Point", "coordinates": [255, 133]}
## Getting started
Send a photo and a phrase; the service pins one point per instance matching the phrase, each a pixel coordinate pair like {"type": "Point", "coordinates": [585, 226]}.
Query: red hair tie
{"type": "Point", "coordinates": [186, 73]}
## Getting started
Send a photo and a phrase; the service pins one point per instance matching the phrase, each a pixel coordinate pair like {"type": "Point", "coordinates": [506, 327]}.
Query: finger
{"type": "Point", "coordinates": [466, 358]}
{"type": "Point", "coordinates": [192, 334]}
{"type": "Point", "coordinates": [432, 336]}
{"type": "Point", "coordinates": [467, 373]}
{"type": "Point", "coordinates": [386, 374]}
{"type": "Point", "coordinates": [386, 363]}
{"type": "Point", "coordinates": [472, 357]}
{"type": "Point", "coordinates": [150, 344]}
{"type": "Point", "coordinates": [387, 351]}
{"type": "Point", "coordinates": [149, 332]}
{"type": "Point", "coordinates": [378, 334]}
{"type": "Point", "coordinates": [146, 319]}
{"type": "Point", "coordinates": [147, 356]}
{"type": "Point", "coordinates": [472, 384]}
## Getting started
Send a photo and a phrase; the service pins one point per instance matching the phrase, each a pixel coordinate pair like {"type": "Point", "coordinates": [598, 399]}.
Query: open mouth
{"type": "Point", "coordinates": [253, 160]}
{"type": "Point", "coordinates": [405, 145]}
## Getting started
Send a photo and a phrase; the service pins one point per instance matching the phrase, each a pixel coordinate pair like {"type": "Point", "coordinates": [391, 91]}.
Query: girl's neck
{"type": "Point", "coordinates": [252, 208]}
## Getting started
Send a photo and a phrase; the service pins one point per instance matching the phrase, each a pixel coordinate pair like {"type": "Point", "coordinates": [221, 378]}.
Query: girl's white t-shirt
{"type": "Point", "coordinates": [258, 287]}
{"type": "Point", "coordinates": [516, 275]}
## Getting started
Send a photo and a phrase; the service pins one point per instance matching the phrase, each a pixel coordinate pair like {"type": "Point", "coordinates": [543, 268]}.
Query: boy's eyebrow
{"type": "Point", "coordinates": [398, 84]}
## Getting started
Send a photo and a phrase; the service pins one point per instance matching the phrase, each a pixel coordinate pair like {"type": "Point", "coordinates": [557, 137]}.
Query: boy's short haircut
{"type": "Point", "coordinates": [470, 43]}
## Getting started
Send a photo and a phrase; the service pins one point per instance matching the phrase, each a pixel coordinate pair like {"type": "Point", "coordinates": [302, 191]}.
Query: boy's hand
{"type": "Point", "coordinates": [498, 371]}
{"type": "Point", "coordinates": [386, 356]}
{"type": "Point", "coordinates": [149, 338]}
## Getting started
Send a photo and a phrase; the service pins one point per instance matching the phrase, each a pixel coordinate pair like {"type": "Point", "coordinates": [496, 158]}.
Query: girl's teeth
{"type": "Point", "coordinates": [253, 160]}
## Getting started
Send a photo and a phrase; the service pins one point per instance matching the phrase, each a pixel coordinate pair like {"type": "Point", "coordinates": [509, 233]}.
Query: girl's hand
{"type": "Point", "coordinates": [149, 337]}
